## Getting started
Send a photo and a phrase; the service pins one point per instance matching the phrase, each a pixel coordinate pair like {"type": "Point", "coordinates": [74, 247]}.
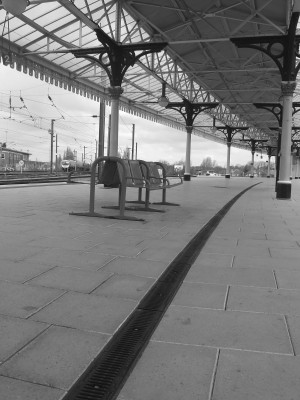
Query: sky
{"type": "Point", "coordinates": [28, 104]}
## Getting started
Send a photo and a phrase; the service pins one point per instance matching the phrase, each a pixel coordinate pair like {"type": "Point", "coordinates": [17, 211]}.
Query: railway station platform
{"type": "Point", "coordinates": [69, 283]}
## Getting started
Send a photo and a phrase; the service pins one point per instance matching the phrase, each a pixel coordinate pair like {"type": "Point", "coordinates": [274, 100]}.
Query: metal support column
{"type": "Point", "coordinates": [189, 112]}
{"type": "Point", "coordinates": [288, 65]}
{"type": "Point", "coordinates": [187, 172]}
{"type": "Point", "coordinates": [253, 143]}
{"type": "Point", "coordinates": [284, 185]}
{"type": "Point", "coordinates": [269, 166]}
{"type": "Point", "coordinates": [229, 132]}
{"type": "Point", "coordinates": [115, 93]}
{"type": "Point", "coordinates": [297, 164]}
{"type": "Point", "coordinates": [252, 163]}
{"type": "Point", "coordinates": [228, 173]}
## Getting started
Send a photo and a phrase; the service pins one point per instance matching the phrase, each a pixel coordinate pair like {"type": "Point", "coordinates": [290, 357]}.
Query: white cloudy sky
{"type": "Point", "coordinates": [76, 128]}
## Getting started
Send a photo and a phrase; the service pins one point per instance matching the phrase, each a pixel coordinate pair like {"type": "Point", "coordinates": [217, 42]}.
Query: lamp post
{"type": "Point", "coordinates": [51, 131]}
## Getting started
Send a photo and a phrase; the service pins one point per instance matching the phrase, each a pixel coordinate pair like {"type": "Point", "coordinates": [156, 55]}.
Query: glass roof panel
{"type": "Point", "coordinates": [199, 57]}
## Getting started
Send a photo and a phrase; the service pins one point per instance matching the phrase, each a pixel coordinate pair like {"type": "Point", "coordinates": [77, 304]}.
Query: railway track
{"type": "Point", "coordinates": [11, 178]}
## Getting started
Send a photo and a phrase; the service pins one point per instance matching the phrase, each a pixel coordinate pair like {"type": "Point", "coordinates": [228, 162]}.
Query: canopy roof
{"type": "Point", "coordinates": [200, 62]}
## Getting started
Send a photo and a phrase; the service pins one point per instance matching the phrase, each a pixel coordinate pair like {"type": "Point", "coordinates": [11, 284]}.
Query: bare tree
{"type": "Point", "coordinates": [208, 163]}
{"type": "Point", "coordinates": [68, 154]}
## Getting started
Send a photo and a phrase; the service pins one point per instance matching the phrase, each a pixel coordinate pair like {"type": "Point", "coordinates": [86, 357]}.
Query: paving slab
{"type": "Point", "coordinates": [15, 333]}
{"type": "Point", "coordinates": [232, 276]}
{"type": "Point", "coordinates": [288, 279]}
{"type": "Point", "coordinates": [56, 358]}
{"type": "Point", "coordinates": [23, 300]}
{"type": "Point", "coordinates": [125, 286]}
{"type": "Point", "coordinates": [226, 329]}
{"type": "Point", "coordinates": [136, 266]}
{"type": "Point", "coordinates": [80, 278]}
{"type": "Point", "coordinates": [15, 389]}
{"type": "Point", "coordinates": [283, 233]}
{"type": "Point", "coordinates": [250, 251]}
{"type": "Point", "coordinates": [265, 300]}
{"type": "Point", "coordinates": [165, 251]}
{"type": "Point", "coordinates": [293, 323]}
{"type": "Point", "coordinates": [21, 271]}
{"type": "Point", "coordinates": [241, 261]}
{"type": "Point", "coordinates": [214, 259]}
{"type": "Point", "coordinates": [90, 313]}
{"type": "Point", "coordinates": [222, 241]}
{"type": "Point", "coordinates": [115, 249]}
{"type": "Point", "coordinates": [202, 295]}
{"type": "Point", "coordinates": [73, 279]}
{"type": "Point", "coordinates": [291, 254]}
{"type": "Point", "coordinates": [67, 243]}
{"type": "Point", "coordinates": [268, 243]}
{"type": "Point", "coordinates": [171, 372]}
{"type": "Point", "coordinates": [259, 376]}
{"type": "Point", "coordinates": [75, 258]}
{"type": "Point", "coordinates": [14, 252]}
{"type": "Point", "coordinates": [247, 234]}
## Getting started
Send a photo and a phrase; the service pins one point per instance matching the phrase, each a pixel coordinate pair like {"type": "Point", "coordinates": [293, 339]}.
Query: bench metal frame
{"type": "Point", "coordinates": [129, 173]}
{"type": "Point", "coordinates": [122, 191]}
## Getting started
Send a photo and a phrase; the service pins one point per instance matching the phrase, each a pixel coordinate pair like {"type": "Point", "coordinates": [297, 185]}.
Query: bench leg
{"type": "Point", "coordinates": [147, 202]}
{"type": "Point", "coordinates": [139, 200]}
{"type": "Point", "coordinates": [92, 213]}
{"type": "Point", "coordinates": [146, 208]}
{"type": "Point", "coordinates": [164, 202]}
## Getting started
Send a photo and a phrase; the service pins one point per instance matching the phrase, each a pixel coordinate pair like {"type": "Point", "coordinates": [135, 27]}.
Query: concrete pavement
{"type": "Point", "coordinates": [67, 283]}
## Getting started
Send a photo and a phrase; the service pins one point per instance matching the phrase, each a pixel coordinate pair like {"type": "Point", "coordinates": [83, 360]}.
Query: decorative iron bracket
{"type": "Point", "coordinates": [253, 142]}
{"type": "Point", "coordinates": [230, 131]}
{"type": "Point", "coordinates": [295, 132]}
{"type": "Point", "coordinates": [276, 109]}
{"type": "Point", "coordinates": [190, 111]}
{"type": "Point", "coordinates": [271, 151]}
{"type": "Point", "coordinates": [284, 50]}
{"type": "Point", "coordinates": [115, 58]}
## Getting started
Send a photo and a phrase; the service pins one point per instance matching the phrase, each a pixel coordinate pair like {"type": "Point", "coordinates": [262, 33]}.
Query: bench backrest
{"type": "Point", "coordinates": [134, 176]}
{"type": "Point", "coordinates": [155, 178]}
{"type": "Point", "coordinates": [129, 180]}
{"type": "Point", "coordinates": [136, 173]}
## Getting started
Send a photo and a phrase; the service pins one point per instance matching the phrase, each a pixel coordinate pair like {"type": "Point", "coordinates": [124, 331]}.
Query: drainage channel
{"type": "Point", "coordinates": [107, 374]}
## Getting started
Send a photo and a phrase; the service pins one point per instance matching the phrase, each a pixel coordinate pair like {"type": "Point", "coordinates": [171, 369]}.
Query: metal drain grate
{"type": "Point", "coordinates": [111, 367]}
{"type": "Point", "coordinates": [107, 374]}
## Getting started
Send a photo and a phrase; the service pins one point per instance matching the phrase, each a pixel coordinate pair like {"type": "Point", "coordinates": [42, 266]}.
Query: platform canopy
{"type": "Point", "coordinates": [200, 62]}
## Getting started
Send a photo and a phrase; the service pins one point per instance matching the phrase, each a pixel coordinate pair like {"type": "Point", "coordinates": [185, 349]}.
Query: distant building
{"type": "Point", "coordinates": [10, 160]}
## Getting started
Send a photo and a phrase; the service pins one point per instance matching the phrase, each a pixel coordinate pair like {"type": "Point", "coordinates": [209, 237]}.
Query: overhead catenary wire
{"type": "Point", "coordinates": [16, 109]}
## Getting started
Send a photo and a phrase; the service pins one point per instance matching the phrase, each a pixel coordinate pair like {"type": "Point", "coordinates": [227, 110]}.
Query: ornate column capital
{"type": "Point", "coordinates": [189, 129]}
{"type": "Point", "coordinates": [288, 87]}
{"type": "Point", "coordinates": [115, 92]}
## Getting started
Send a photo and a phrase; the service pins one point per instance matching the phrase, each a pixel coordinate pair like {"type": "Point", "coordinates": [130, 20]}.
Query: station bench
{"type": "Point", "coordinates": [120, 173]}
